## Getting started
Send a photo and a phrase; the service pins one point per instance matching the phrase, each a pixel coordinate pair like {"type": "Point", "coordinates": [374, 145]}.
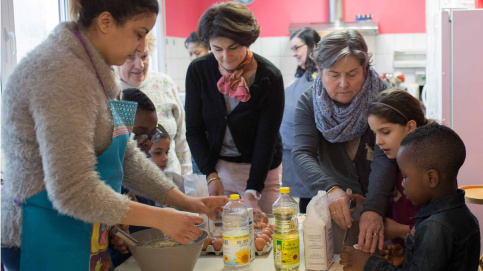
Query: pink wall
{"type": "Point", "coordinates": [274, 16]}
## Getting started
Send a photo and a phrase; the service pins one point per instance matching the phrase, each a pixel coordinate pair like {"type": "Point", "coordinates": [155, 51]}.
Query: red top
{"type": "Point", "coordinates": [402, 208]}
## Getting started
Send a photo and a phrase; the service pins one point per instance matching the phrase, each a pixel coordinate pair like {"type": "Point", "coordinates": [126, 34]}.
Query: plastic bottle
{"type": "Point", "coordinates": [286, 251]}
{"type": "Point", "coordinates": [236, 235]}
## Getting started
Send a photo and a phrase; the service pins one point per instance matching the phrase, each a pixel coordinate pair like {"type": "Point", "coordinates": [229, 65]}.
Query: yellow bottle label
{"type": "Point", "coordinates": [236, 249]}
{"type": "Point", "coordinates": [286, 252]}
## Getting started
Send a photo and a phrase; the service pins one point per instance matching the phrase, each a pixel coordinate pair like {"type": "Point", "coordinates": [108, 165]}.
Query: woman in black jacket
{"type": "Point", "coordinates": [234, 107]}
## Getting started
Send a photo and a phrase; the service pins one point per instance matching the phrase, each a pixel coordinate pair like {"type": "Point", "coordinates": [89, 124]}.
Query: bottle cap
{"type": "Point", "coordinates": [234, 196]}
{"type": "Point", "coordinates": [285, 190]}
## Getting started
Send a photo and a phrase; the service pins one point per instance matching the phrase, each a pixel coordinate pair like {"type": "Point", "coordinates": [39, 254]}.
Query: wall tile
{"type": "Point", "coordinates": [257, 46]}
{"type": "Point", "coordinates": [277, 51]}
{"type": "Point", "coordinates": [288, 65]}
{"type": "Point", "coordinates": [385, 44]}
{"type": "Point", "coordinates": [384, 63]}
{"type": "Point", "coordinates": [271, 46]}
{"type": "Point", "coordinates": [371, 43]}
{"type": "Point", "coordinates": [285, 46]}
{"type": "Point", "coordinates": [404, 42]}
{"type": "Point", "coordinates": [420, 41]}
{"type": "Point", "coordinates": [275, 60]}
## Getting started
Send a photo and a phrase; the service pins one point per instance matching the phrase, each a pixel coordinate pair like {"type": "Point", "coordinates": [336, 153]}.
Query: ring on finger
{"type": "Point", "coordinates": [375, 234]}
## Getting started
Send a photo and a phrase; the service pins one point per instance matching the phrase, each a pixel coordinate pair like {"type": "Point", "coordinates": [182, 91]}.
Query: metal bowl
{"type": "Point", "coordinates": [179, 257]}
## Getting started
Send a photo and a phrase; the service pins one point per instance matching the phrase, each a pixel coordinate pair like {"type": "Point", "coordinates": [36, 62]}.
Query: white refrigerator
{"type": "Point", "coordinates": [454, 91]}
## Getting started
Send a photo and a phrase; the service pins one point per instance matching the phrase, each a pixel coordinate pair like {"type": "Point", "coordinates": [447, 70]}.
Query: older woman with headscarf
{"type": "Point", "coordinates": [333, 144]}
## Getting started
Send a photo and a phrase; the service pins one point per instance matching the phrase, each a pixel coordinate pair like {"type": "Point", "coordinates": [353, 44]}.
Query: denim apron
{"type": "Point", "coordinates": [52, 241]}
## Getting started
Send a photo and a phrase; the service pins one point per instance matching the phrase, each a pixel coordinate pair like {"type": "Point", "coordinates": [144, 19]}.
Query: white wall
{"type": "Point", "coordinates": [276, 49]}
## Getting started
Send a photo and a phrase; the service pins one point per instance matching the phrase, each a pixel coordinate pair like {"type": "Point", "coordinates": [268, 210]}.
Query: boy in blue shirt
{"type": "Point", "coordinates": [446, 235]}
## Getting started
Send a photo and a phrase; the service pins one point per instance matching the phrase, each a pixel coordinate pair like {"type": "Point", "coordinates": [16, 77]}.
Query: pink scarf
{"type": "Point", "coordinates": [234, 83]}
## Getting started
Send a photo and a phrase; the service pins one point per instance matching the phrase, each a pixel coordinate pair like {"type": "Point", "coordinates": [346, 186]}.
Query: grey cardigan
{"type": "Point", "coordinates": [55, 122]}
{"type": "Point", "coordinates": [321, 164]}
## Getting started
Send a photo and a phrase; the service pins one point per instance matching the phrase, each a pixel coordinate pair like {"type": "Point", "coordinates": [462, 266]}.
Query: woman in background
{"type": "Point", "coordinates": [163, 92]}
{"type": "Point", "coordinates": [303, 42]}
{"type": "Point", "coordinates": [234, 107]}
{"type": "Point", "coordinates": [195, 47]}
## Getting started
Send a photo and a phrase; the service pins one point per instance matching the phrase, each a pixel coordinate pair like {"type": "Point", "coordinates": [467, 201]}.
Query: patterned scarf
{"type": "Point", "coordinates": [345, 123]}
{"type": "Point", "coordinates": [234, 83]}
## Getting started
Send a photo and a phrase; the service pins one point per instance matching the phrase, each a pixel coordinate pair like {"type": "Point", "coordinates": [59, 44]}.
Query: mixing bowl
{"type": "Point", "coordinates": [166, 258]}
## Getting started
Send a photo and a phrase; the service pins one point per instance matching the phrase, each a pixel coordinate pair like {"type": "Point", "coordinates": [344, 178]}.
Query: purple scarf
{"type": "Point", "coordinates": [345, 123]}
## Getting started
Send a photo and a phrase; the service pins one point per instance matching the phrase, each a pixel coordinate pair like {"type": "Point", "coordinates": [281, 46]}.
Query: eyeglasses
{"type": "Point", "coordinates": [296, 48]}
{"type": "Point", "coordinates": [142, 138]}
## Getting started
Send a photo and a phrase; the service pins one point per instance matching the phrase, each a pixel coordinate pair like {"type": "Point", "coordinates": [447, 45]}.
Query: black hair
{"type": "Point", "coordinates": [230, 20]}
{"type": "Point", "coordinates": [84, 11]}
{"type": "Point", "coordinates": [164, 133]}
{"type": "Point", "coordinates": [435, 146]}
{"type": "Point", "coordinates": [136, 95]}
{"type": "Point", "coordinates": [397, 106]}
{"type": "Point", "coordinates": [193, 38]}
{"type": "Point", "coordinates": [310, 37]}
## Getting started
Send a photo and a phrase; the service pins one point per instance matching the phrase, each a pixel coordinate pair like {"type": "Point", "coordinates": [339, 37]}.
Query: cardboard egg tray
{"type": "Point", "coordinates": [210, 249]}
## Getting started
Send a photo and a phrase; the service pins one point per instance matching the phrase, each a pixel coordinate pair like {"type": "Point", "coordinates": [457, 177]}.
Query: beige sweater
{"type": "Point", "coordinates": [55, 122]}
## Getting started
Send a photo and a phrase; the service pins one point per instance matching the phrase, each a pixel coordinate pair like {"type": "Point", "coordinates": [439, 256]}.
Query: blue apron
{"type": "Point", "coordinates": [52, 241]}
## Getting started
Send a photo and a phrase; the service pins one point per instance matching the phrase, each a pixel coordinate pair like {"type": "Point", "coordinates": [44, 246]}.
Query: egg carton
{"type": "Point", "coordinates": [210, 249]}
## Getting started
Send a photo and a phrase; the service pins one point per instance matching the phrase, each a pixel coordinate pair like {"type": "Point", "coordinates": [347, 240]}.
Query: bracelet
{"type": "Point", "coordinates": [214, 179]}
{"type": "Point", "coordinates": [332, 188]}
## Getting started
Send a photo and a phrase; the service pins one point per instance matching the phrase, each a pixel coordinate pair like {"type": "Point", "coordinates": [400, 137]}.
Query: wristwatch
{"type": "Point", "coordinates": [255, 193]}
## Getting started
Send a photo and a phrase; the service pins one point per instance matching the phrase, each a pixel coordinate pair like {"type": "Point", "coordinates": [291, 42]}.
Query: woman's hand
{"type": "Point", "coordinates": [181, 226]}
{"type": "Point", "coordinates": [339, 208]}
{"type": "Point", "coordinates": [371, 232]}
{"type": "Point", "coordinates": [250, 202]}
{"type": "Point", "coordinates": [116, 242]}
{"type": "Point", "coordinates": [215, 187]}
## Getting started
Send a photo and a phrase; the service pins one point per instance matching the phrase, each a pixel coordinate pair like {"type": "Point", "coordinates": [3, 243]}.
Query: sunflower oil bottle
{"type": "Point", "coordinates": [236, 235]}
{"type": "Point", "coordinates": [286, 251]}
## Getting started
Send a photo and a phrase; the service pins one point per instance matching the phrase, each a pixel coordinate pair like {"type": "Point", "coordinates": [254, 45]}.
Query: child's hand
{"type": "Point", "coordinates": [206, 205]}
{"type": "Point", "coordinates": [393, 254]}
{"type": "Point", "coordinates": [116, 242]}
{"type": "Point", "coordinates": [181, 226]}
{"type": "Point", "coordinates": [392, 229]}
{"type": "Point", "coordinates": [353, 259]}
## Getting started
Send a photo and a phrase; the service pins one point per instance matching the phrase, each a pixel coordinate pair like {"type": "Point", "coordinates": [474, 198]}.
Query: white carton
{"type": "Point", "coordinates": [318, 239]}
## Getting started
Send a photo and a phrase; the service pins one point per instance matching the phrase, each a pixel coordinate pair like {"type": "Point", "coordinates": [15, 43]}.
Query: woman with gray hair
{"type": "Point", "coordinates": [333, 144]}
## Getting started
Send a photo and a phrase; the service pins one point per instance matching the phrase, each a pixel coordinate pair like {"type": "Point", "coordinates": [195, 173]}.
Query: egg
{"type": "Point", "coordinates": [267, 232]}
{"type": "Point", "coordinates": [255, 235]}
{"type": "Point", "coordinates": [262, 225]}
{"type": "Point", "coordinates": [207, 242]}
{"type": "Point", "coordinates": [260, 243]}
{"type": "Point", "coordinates": [256, 225]}
{"type": "Point", "coordinates": [264, 236]}
{"type": "Point", "coordinates": [269, 229]}
{"type": "Point", "coordinates": [265, 219]}
{"type": "Point", "coordinates": [271, 226]}
{"type": "Point", "coordinates": [217, 244]}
